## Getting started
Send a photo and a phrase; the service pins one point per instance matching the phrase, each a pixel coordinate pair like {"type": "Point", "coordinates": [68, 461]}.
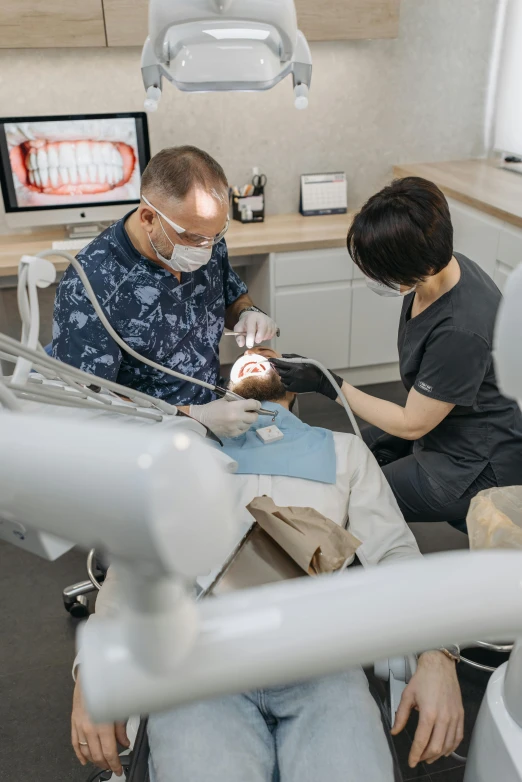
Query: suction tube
{"type": "Point", "coordinates": [332, 380]}
{"type": "Point", "coordinates": [116, 337]}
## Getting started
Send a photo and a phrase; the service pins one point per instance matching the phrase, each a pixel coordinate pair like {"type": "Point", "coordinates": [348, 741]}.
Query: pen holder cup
{"type": "Point", "coordinates": [249, 209]}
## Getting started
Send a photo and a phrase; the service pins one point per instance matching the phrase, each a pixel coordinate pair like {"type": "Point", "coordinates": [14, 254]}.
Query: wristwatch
{"type": "Point", "coordinates": [452, 651]}
{"type": "Point", "coordinates": [253, 308]}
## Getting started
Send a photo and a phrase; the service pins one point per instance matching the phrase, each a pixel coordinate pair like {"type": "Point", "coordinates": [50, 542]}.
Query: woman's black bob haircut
{"type": "Point", "coordinates": [403, 234]}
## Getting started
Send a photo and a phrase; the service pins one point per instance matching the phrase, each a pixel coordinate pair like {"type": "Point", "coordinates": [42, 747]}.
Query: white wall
{"type": "Point", "coordinates": [373, 103]}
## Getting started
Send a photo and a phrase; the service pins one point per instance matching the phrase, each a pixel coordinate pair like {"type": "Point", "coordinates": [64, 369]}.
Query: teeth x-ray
{"type": "Point", "coordinates": [69, 161]}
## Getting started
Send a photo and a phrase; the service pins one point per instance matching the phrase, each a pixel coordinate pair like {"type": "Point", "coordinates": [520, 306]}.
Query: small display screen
{"type": "Point", "coordinates": [64, 162]}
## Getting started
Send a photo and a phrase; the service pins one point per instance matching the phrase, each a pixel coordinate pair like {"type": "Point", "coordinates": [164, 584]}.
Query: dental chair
{"type": "Point", "coordinates": [75, 597]}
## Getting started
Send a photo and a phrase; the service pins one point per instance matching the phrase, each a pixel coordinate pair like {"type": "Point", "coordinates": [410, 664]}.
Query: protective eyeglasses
{"type": "Point", "coordinates": [194, 239]}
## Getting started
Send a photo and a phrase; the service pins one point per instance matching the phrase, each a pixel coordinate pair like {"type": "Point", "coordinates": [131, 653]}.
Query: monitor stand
{"type": "Point", "coordinates": [85, 230]}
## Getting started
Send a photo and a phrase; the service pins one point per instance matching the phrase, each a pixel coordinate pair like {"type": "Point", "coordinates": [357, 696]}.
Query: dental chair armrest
{"type": "Point", "coordinates": [397, 671]}
{"type": "Point", "coordinates": [401, 668]}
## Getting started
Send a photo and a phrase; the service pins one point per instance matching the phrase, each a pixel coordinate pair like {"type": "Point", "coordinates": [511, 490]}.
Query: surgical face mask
{"type": "Point", "coordinates": [386, 290]}
{"type": "Point", "coordinates": [183, 258]}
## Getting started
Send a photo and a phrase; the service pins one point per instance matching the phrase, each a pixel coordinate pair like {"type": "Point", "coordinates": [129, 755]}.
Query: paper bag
{"type": "Point", "coordinates": [315, 543]}
{"type": "Point", "coordinates": [495, 518]}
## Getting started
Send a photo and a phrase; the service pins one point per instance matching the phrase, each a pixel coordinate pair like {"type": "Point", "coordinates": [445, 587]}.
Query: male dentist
{"type": "Point", "coordinates": [163, 277]}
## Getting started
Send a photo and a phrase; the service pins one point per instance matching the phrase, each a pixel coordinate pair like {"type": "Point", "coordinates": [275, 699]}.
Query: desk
{"type": "Point", "coordinates": [279, 233]}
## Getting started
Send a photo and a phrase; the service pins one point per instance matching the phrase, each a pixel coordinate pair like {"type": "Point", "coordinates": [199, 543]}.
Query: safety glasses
{"type": "Point", "coordinates": [194, 239]}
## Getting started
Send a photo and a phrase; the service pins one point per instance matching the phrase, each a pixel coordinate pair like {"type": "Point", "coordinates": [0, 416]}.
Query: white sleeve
{"type": "Point", "coordinates": [107, 602]}
{"type": "Point", "coordinates": [373, 514]}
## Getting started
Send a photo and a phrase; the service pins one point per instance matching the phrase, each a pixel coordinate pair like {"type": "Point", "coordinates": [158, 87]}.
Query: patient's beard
{"type": "Point", "coordinates": [268, 388]}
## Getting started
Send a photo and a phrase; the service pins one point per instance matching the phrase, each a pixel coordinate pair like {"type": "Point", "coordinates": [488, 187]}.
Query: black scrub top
{"type": "Point", "coordinates": [445, 353]}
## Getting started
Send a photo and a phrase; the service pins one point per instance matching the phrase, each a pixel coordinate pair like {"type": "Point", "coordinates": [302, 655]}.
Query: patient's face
{"type": "Point", "coordinates": [253, 377]}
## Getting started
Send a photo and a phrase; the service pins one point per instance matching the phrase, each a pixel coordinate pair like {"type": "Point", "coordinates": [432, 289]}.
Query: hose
{"type": "Point", "coordinates": [40, 360]}
{"type": "Point", "coordinates": [334, 383]}
{"type": "Point", "coordinates": [116, 337]}
{"type": "Point", "coordinates": [8, 399]}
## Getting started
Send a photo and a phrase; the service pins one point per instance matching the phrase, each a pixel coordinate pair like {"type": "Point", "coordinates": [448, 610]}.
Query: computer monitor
{"type": "Point", "coordinates": [74, 169]}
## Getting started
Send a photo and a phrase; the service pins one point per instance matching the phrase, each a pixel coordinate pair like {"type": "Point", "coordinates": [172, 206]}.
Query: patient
{"type": "Point", "coordinates": [328, 728]}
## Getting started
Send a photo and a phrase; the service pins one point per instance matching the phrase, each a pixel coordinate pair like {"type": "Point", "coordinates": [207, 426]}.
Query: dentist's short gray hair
{"type": "Point", "coordinates": [174, 171]}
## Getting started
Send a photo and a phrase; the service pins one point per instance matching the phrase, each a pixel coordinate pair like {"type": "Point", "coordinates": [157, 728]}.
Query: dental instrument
{"type": "Point", "coordinates": [272, 413]}
{"type": "Point", "coordinates": [218, 390]}
{"type": "Point", "coordinates": [243, 333]}
{"type": "Point", "coordinates": [224, 45]}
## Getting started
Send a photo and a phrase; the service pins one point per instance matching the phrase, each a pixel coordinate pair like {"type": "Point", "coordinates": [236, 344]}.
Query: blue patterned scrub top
{"type": "Point", "coordinates": [178, 324]}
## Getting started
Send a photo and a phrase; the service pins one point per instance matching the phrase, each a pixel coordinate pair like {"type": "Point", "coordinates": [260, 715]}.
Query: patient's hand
{"type": "Point", "coordinates": [435, 692]}
{"type": "Point", "coordinates": [100, 745]}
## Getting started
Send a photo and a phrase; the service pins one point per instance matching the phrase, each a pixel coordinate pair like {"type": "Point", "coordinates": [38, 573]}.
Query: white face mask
{"type": "Point", "coordinates": [386, 290]}
{"type": "Point", "coordinates": [183, 257]}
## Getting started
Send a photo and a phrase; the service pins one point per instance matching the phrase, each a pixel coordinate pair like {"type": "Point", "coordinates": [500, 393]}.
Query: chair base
{"type": "Point", "coordinates": [75, 598]}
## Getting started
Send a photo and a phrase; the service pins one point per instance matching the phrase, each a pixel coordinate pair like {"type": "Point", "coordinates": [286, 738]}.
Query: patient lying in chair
{"type": "Point", "coordinates": [328, 728]}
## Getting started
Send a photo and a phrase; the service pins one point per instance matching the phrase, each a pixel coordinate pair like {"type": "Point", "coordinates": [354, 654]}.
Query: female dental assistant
{"type": "Point", "coordinates": [456, 433]}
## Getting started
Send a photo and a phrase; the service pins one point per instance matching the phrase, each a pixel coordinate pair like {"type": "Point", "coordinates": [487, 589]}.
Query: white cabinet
{"type": "Point", "coordinates": [315, 321]}
{"type": "Point", "coordinates": [313, 266]}
{"type": "Point", "coordinates": [476, 235]}
{"type": "Point", "coordinates": [510, 246]}
{"type": "Point", "coordinates": [495, 245]}
{"type": "Point", "coordinates": [509, 254]}
{"type": "Point", "coordinates": [375, 325]}
{"type": "Point", "coordinates": [500, 276]}
{"type": "Point", "coordinates": [357, 273]}
{"type": "Point", "coordinates": [312, 303]}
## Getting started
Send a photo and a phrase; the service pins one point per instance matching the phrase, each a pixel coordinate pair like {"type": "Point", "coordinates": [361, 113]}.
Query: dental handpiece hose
{"type": "Point", "coordinates": [220, 392]}
{"type": "Point", "coordinates": [334, 383]}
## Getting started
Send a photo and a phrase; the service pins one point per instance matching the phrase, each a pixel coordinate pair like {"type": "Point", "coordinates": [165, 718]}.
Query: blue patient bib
{"type": "Point", "coordinates": [304, 452]}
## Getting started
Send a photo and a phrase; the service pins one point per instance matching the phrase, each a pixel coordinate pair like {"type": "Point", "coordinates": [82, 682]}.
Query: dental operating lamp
{"type": "Point", "coordinates": [224, 45]}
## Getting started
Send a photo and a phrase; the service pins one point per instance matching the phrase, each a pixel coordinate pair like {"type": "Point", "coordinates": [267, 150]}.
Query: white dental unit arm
{"type": "Point", "coordinates": [155, 501]}
{"type": "Point", "coordinates": [224, 45]}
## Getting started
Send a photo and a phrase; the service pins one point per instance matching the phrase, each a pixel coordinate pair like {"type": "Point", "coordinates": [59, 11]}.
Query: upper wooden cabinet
{"type": "Point", "coordinates": [126, 22]}
{"type": "Point", "coordinates": [320, 20]}
{"type": "Point", "coordinates": [29, 24]}
{"type": "Point", "coordinates": [54, 23]}
{"type": "Point", "coordinates": [337, 20]}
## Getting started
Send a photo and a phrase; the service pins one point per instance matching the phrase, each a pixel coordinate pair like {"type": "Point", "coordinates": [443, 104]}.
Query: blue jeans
{"type": "Point", "coordinates": [328, 729]}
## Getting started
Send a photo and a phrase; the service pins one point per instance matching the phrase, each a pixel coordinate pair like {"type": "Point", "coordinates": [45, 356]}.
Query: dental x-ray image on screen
{"type": "Point", "coordinates": [70, 161]}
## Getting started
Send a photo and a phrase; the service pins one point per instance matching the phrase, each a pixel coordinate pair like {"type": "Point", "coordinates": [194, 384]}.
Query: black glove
{"type": "Point", "coordinates": [303, 378]}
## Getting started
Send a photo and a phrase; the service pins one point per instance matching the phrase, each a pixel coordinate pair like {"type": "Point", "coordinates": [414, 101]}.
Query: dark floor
{"type": "Point", "coordinates": [37, 649]}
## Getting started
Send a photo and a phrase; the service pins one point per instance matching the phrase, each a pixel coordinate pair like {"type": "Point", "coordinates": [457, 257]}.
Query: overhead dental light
{"type": "Point", "coordinates": [224, 45]}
